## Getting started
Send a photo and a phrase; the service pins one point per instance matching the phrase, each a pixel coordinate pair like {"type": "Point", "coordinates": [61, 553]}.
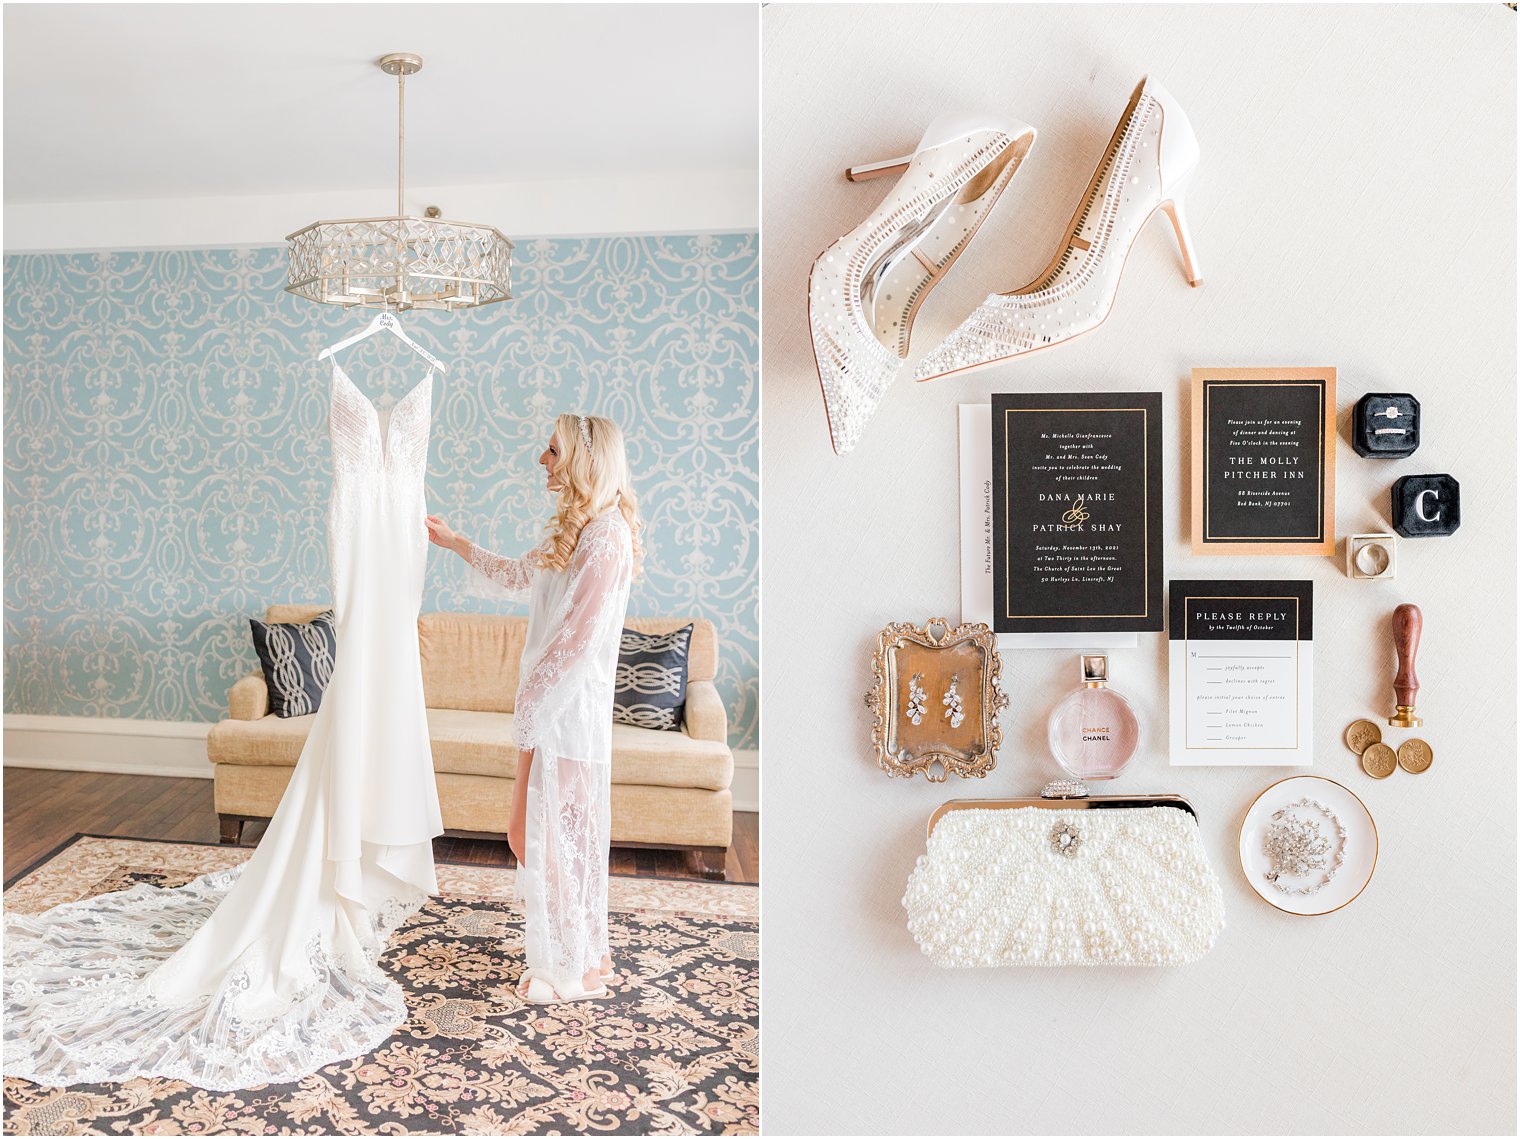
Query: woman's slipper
{"type": "Point", "coordinates": [538, 991]}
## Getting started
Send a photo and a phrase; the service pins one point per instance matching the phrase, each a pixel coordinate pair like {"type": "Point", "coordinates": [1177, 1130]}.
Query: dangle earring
{"type": "Point", "coordinates": [917, 708]}
{"type": "Point", "coordinates": [954, 710]}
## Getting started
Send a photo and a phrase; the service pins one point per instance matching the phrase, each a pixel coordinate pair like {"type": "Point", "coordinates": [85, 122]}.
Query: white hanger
{"type": "Point", "coordinates": [387, 322]}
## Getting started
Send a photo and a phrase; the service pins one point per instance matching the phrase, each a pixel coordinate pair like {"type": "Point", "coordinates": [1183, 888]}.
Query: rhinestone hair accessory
{"type": "Point", "coordinates": [585, 427]}
{"type": "Point", "coordinates": [1298, 848]}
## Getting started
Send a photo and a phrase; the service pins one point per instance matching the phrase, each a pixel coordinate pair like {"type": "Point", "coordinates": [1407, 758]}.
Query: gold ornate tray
{"type": "Point", "coordinates": [924, 662]}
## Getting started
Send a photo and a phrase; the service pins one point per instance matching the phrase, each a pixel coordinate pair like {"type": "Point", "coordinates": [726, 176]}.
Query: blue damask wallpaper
{"type": "Point", "coordinates": [167, 464]}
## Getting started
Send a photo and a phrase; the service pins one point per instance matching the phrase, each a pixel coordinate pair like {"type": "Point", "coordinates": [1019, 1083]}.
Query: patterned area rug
{"type": "Point", "coordinates": [674, 1051]}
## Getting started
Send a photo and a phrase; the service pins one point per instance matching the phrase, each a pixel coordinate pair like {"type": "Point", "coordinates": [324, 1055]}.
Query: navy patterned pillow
{"type": "Point", "coordinates": [650, 688]}
{"type": "Point", "coordinates": [297, 660]}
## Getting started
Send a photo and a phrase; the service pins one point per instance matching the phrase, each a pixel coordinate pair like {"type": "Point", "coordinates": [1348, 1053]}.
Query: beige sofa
{"type": "Point", "coordinates": [669, 789]}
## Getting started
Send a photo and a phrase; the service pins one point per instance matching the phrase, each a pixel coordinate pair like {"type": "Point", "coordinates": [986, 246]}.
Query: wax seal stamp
{"type": "Point", "coordinates": [1407, 625]}
{"type": "Point", "coordinates": [1379, 761]}
{"type": "Point", "coordinates": [1415, 756]}
{"type": "Point", "coordinates": [1362, 735]}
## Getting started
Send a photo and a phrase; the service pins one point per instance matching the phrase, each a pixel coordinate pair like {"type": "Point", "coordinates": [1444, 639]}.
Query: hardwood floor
{"type": "Point", "coordinates": [43, 809]}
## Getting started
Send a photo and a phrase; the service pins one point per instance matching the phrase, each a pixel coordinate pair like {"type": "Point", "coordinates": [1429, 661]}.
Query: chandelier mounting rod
{"type": "Point", "coordinates": [400, 64]}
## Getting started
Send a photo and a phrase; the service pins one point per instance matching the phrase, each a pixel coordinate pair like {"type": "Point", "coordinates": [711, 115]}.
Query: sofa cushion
{"type": "Point", "coordinates": [669, 759]}
{"type": "Point", "coordinates": [649, 689]}
{"type": "Point", "coordinates": [481, 743]}
{"type": "Point", "coordinates": [442, 631]}
{"type": "Point", "coordinates": [469, 660]}
{"type": "Point", "coordinates": [702, 661]}
{"type": "Point", "coordinates": [297, 658]}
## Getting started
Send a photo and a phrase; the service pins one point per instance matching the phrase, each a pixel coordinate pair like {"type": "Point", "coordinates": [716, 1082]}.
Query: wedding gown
{"type": "Point", "coordinates": [268, 971]}
{"type": "Point", "coordinates": [563, 714]}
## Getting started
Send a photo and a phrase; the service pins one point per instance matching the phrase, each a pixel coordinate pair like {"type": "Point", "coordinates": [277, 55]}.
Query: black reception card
{"type": "Point", "coordinates": [1263, 461]}
{"type": "Point", "coordinates": [1076, 512]}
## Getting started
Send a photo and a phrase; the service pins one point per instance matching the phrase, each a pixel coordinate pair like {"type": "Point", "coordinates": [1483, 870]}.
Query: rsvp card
{"type": "Point", "coordinates": [1242, 672]}
{"type": "Point", "coordinates": [1076, 512]}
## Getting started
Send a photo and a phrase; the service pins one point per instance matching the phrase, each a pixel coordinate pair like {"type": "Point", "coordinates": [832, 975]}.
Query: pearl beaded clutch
{"type": "Point", "coordinates": [1064, 883]}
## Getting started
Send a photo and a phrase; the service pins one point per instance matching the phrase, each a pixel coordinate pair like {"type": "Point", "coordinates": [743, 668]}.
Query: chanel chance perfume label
{"type": "Point", "coordinates": [1242, 672]}
{"type": "Point", "coordinates": [1263, 461]}
{"type": "Point", "coordinates": [1076, 512]}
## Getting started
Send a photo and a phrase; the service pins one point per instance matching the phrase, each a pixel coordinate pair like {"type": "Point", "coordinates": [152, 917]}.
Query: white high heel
{"type": "Point", "coordinates": [1147, 167]}
{"type": "Point", "coordinates": [864, 290]}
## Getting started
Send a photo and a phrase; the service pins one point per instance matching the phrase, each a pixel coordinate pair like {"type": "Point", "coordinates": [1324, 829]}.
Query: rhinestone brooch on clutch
{"type": "Point", "coordinates": [1065, 839]}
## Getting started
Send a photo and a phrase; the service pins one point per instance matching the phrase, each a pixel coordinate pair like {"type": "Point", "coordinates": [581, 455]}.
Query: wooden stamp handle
{"type": "Point", "coordinates": [1407, 623]}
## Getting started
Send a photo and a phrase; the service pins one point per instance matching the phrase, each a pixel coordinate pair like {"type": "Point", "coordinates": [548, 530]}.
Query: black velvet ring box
{"type": "Point", "coordinates": [1386, 426]}
{"type": "Point", "coordinates": [1426, 506]}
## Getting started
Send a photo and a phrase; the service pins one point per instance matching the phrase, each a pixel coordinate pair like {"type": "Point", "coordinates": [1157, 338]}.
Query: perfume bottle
{"type": "Point", "coordinates": [1094, 732]}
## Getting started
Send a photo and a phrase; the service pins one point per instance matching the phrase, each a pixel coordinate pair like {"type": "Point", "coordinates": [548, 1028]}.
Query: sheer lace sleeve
{"type": "Point", "coordinates": [589, 623]}
{"type": "Point", "coordinates": [496, 577]}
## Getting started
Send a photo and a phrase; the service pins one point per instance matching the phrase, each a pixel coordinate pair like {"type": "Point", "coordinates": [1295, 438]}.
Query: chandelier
{"type": "Point", "coordinates": [401, 262]}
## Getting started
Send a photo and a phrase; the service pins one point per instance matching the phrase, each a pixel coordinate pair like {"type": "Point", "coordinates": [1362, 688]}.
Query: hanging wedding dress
{"type": "Point", "coordinates": [268, 971]}
{"type": "Point", "coordinates": [563, 715]}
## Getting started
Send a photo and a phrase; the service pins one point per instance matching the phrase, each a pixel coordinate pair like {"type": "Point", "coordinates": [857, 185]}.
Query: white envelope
{"type": "Point", "coordinates": [976, 544]}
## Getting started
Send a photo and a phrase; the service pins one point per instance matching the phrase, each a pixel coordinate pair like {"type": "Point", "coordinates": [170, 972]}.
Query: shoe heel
{"type": "Point", "coordinates": [1190, 264]}
{"type": "Point", "coordinates": [878, 169]}
{"type": "Point", "coordinates": [945, 128]}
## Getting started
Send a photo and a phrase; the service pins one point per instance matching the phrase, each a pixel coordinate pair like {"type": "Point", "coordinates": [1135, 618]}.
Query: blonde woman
{"type": "Point", "coordinates": [576, 585]}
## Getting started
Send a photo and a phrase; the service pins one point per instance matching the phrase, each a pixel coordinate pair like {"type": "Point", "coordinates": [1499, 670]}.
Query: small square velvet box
{"type": "Point", "coordinates": [1386, 426]}
{"type": "Point", "coordinates": [1426, 506]}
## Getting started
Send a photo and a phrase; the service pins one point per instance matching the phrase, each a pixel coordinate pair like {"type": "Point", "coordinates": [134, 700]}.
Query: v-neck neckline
{"type": "Point", "coordinates": [385, 433]}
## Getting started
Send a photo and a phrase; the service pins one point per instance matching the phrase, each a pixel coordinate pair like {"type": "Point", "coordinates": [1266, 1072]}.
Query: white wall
{"type": "Point", "coordinates": [706, 201]}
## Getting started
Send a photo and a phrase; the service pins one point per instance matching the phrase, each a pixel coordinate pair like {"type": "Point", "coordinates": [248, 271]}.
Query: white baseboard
{"type": "Point", "coordinates": [746, 785]}
{"type": "Point", "coordinates": [178, 747]}
{"type": "Point", "coordinates": [115, 746]}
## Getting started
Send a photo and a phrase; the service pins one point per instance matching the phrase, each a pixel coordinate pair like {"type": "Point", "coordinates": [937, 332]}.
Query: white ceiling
{"type": "Point", "coordinates": [133, 101]}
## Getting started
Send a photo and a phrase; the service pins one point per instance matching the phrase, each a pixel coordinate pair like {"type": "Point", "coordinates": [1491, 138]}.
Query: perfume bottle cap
{"type": "Point", "coordinates": [1095, 671]}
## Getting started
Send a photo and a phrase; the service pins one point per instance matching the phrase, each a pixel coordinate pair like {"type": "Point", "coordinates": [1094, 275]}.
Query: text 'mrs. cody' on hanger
{"type": "Point", "coordinates": [385, 322]}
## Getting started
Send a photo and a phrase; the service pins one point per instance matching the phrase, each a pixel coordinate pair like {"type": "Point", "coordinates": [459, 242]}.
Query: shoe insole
{"type": "Point", "coordinates": [906, 268]}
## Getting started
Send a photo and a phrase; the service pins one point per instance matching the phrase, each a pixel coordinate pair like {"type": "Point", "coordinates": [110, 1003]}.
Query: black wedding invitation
{"type": "Point", "coordinates": [1263, 461]}
{"type": "Point", "coordinates": [1076, 512]}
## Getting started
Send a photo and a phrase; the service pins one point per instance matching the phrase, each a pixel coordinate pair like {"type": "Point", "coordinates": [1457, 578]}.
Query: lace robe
{"type": "Point", "coordinates": [563, 714]}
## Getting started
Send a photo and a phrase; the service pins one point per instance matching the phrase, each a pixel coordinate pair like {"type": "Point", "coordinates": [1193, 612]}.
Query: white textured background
{"type": "Point", "coordinates": [1355, 207]}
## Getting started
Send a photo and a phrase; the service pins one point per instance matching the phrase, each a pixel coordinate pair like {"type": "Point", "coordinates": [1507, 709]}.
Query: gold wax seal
{"type": "Point", "coordinates": [1379, 761]}
{"type": "Point", "coordinates": [1362, 735]}
{"type": "Point", "coordinates": [1415, 756]}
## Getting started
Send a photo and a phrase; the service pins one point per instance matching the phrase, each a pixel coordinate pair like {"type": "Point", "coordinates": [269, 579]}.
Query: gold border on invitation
{"type": "Point", "coordinates": [1321, 543]}
{"type": "Point", "coordinates": [1145, 505]}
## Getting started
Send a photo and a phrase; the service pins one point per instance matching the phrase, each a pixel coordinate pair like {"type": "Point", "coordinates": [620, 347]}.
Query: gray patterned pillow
{"type": "Point", "coordinates": [650, 688]}
{"type": "Point", "coordinates": [297, 660]}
